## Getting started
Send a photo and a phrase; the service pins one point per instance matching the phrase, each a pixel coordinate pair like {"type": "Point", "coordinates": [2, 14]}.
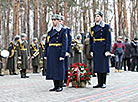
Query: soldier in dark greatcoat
{"type": "Point", "coordinates": [55, 50]}
{"type": "Point", "coordinates": [34, 51]}
{"type": "Point", "coordinates": [100, 44]}
{"type": "Point", "coordinates": [41, 52]}
{"type": "Point", "coordinates": [23, 54]}
{"type": "Point", "coordinates": [12, 57]}
{"type": "Point", "coordinates": [68, 49]}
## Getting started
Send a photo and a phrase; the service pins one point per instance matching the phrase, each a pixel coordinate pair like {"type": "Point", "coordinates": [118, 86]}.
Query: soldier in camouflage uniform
{"type": "Point", "coordinates": [23, 55]}
{"type": "Point", "coordinates": [34, 51]}
{"type": "Point", "coordinates": [41, 51]}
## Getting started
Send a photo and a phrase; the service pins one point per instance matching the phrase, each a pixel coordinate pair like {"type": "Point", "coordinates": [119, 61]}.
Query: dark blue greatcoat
{"type": "Point", "coordinates": [68, 48]}
{"type": "Point", "coordinates": [101, 62]}
{"type": "Point", "coordinates": [55, 68]}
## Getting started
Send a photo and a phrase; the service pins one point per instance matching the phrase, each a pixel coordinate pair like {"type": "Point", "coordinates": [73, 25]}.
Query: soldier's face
{"type": "Point", "coordinates": [55, 22]}
{"type": "Point", "coordinates": [23, 38]}
{"type": "Point", "coordinates": [98, 18]}
{"type": "Point", "coordinates": [35, 41]}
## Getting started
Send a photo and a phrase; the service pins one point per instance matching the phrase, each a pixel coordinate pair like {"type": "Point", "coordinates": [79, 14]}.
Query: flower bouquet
{"type": "Point", "coordinates": [78, 73]}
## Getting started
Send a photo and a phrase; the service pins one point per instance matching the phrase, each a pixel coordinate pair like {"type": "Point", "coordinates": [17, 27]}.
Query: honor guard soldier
{"type": "Point", "coordinates": [23, 53]}
{"type": "Point", "coordinates": [55, 50]}
{"type": "Point", "coordinates": [100, 44]}
{"type": "Point", "coordinates": [12, 57]}
{"type": "Point", "coordinates": [68, 48]}
{"type": "Point", "coordinates": [41, 51]}
{"type": "Point", "coordinates": [34, 51]}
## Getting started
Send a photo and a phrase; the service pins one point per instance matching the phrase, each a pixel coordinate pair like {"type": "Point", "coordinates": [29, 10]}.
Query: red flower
{"type": "Point", "coordinates": [78, 63]}
{"type": "Point", "coordinates": [74, 74]}
{"type": "Point", "coordinates": [85, 66]}
{"type": "Point", "coordinates": [89, 73]}
{"type": "Point", "coordinates": [82, 78]}
{"type": "Point", "coordinates": [81, 65]}
{"type": "Point", "coordinates": [71, 66]}
{"type": "Point", "coordinates": [80, 74]}
{"type": "Point", "coordinates": [74, 65]}
{"type": "Point", "coordinates": [88, 78]}
{"type": "Point", "coordinates": [86, 69]}
{"type": "Point", "coordinates": [85, 74]}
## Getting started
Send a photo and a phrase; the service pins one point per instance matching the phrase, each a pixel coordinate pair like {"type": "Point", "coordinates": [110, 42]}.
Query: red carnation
{"type": "Point", "coordinates": [86, 69]}
{"type": "Point", "coordinates": [78, 63]}
{"type": "Point", "coordinates": [85, 66]}
{"type": "Point", "coordinates": [80, 74]}
{"type": "Point", "coordinates": [74, 65]}
{"type": "Point", "coordinates": [82, 78]}
{"type": "Point", "coordinates": [89, 73]}
{"type": "Point", "coordinates": [85, 74]}
{"type": "Point", "coordinates": [82, 63]}
{"type": "Point", "coordinates": [88, 78]}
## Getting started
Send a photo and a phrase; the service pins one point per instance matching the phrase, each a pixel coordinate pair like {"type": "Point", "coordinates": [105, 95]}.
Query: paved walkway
{"type": "Point", "coordinates": [121, 87]}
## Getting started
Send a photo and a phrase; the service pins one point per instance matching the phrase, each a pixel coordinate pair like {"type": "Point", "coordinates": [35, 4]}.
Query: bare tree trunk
{"type": "Point", "coordinates": [22, 23]}
{"type": "Point", "coordinates": [65, 11]}
{"type": "Point", "coordinates": [17, 18]}
{"type": "Point", "coordinates": [36, 19]}
{"type": "Point", "coordinates": [115, 27]}
{"type": "Point", "coordinates": [54, 8]}
{"type": "Point", "coordinates": [84, 17]}
{"type": "Point", "coordinates": [125, 19]}
{"type": "Point", "coordinates": [119, 17]}
{"type": "Point", "coordinates": [131, 21]}
{"type": "Point", "coordinates": [45, 16]}
{"type": "Point", "coordinates": [28, 21]}
{"type": "Point", "coordinates": [41, 19]}
{"type": "Point", "coordinates": [14, 17]}
{"type": "Point", "coordinates": [76, 21]}
{"type": "Point", "coordinates": [94, 8]}
{"type": "Point", "coordinates": [72, 18]}
{"type": "Point", "coordinates": [57, 6]}
{"type": "Point", "coordinates": [8, 19]}
{"type": "Point", "coordinates": [25, 17]}
{"type": "Point", "coordinates": [89, 14]}
{"type": "Point", "coordinates": [0, 26]}
{"type": "Point", "coordinates": [137, 16]}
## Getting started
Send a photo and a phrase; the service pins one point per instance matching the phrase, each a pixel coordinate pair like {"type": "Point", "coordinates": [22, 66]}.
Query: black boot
{"type": "Point", "coordinates": [99, 81]}
{"type": "Point", "coordinates": [55, 85]}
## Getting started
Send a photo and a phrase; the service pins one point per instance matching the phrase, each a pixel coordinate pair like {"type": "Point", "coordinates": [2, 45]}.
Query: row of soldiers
{"type": "Point", "coordinates": [19, 55]}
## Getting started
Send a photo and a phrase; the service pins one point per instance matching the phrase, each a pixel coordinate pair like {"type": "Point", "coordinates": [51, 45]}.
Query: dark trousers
{"type": "Point", "coordinates": [23, 73]}
{"type": "Point", "coordinates": [134, 64]}
{"type": "Point", "coordinates": [12, 71]}
{"type": "Point", "coordinates": [66, 75]}
{"type": "Point", "coordinates": [127, 62]}
{"type": "Point", "coordinates": [101, 78]}
{"type": "Point", "coordinates": [58, 83]}
{"type": "Point", "coordinates": [35, 68]}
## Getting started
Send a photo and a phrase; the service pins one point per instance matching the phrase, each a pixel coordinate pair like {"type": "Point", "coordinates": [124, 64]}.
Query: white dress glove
{"type": "Point", "coordinates": [107, 53]}
{"type": "Point", "coordinates": [91, 53]}
{"type": "Point", "coordinates": [61, 58]}
{"type": "Point", "coordinates": [45, 58]}
{"type": "Point", "coordinates": [19, 57]}
{"type": "Point", "coordinates": [67, 54]}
